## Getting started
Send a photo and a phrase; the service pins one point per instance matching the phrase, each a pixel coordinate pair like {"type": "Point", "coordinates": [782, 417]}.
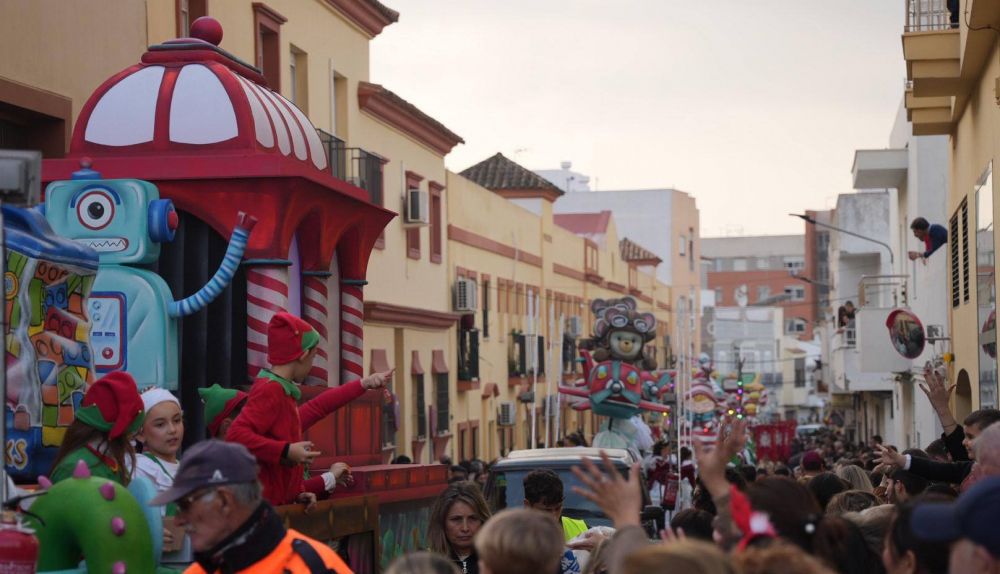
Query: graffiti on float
{"type": "Point", "coordinates": [47, 282]}
{"type": "Point", "coordinates": [404, 528]}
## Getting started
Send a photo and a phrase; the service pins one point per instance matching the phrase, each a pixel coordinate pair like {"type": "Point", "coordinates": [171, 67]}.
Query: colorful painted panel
{"type": "Point", "coordinates": [47, 281]}
{"type": "Point", "coordinates": [403, 528]}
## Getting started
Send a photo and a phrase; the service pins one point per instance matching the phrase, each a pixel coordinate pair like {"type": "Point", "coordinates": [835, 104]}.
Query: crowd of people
{"type": "Point", "coordinates": [833, 507]}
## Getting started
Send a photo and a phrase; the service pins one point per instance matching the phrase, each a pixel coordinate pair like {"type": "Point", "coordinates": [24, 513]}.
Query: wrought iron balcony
{"type": "Point", "coordinates": [354, 165]}
{"type": "Point", "coordinates": [928, 15]}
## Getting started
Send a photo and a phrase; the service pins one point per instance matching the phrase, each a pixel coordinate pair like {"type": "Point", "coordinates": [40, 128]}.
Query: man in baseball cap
{"type": "Point", "coordinates": [232, 528]}
{"type": "Point", "coordinates": [970, 523]}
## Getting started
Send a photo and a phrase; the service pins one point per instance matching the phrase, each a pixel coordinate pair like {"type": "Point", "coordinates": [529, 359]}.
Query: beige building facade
{"type": "Point", "coordinates": [952, 69]}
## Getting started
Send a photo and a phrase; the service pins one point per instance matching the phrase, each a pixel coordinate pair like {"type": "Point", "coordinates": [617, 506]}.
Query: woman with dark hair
{"type": "Point", "coordinates": [904, 554]}
{"type": "Point", "coordinates": [101, 434]}
{"type": "Point", "coordinates": [456, 517]}
{"type": "Point", "coordinates": [792, 509]}
{"type": "Point", "coordinates": [840, 543]}
{"type": "Point", "coordinates": [825, 486]}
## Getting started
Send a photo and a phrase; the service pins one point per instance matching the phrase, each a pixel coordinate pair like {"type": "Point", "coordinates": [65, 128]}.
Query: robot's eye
{"type": "Point", "coordinates": [95, 209]}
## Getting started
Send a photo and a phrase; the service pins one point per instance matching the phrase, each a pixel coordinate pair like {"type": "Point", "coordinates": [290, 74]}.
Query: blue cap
{"type": "Point", "coordinates": [972, 517]}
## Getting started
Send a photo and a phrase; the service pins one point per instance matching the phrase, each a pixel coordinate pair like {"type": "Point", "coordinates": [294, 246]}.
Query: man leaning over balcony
{"type": "Point", "coordinates": [933, 236]}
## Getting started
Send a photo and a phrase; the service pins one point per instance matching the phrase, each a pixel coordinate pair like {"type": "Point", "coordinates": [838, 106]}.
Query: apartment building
{"type": "Point", "coordinates": [763, 271]}
{"type": "Point", "coordinates": [951, 72]}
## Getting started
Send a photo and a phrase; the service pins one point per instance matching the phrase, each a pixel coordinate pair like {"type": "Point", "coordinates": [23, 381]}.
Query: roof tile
{"type": "Point", "coordinates": [498, 172]}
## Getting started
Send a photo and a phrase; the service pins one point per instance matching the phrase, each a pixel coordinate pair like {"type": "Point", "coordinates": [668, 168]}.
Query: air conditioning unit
{"type": "Point", "coordinates": [417, 210]}
{"type": "Point", "coordinates": [574, 326]}
{"type": "Point", "coordinates": [465, 295]}
{"type": "Point", "coordinates": [507, 414]}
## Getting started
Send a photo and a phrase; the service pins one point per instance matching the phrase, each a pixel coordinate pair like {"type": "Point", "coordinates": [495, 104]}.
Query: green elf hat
{"type": "Point", "coordinates": [113, 405]}
{"type": "Point", "coordinates": [220, 402]}
{"type": "Point", "coordinates": [288, 338]}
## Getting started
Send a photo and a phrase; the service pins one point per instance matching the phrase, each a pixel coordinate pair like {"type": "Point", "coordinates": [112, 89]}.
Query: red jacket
{"type": "Point", "coordinates": [271, 420]}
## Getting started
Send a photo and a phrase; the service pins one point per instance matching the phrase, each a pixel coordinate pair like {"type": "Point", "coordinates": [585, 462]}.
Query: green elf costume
{"type": "Point", "coordinates": [113, 406]}
{"type": "Point", "coordinates": [220, 403]}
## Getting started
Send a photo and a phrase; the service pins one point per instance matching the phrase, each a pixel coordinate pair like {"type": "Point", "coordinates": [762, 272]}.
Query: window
{"type": "Point", "coordinates": [486, 307]}
{"type": "Point", "coordinates": [188, 11]}
{"type": "Point", "coordinates": [800, 373]}
{"type": "Point", "coordinates": [298, 80]}
{"type": "Point", "coordinates": [435, 230]}
{"type": "Point", "coordinates": [794, 326]}
{"type": "Point", "coordinates": [690, 249]}
{"type": "Point", "coordinates": [268, 43]}
{"type": "Point", "coordinates": [441, 396]}
{"type": "Point", "coordinates": [965, 250]}
{"type": "Point", "coordinates": [468, 354]}
{"type": "Point", "coordinates": [763, 263]}
{"type": "Point", "coordinates": [413, 233]}
{"type": "Point", "coordinates": [683, 246]}
{"type": "Point", "coordinates": [718, 295]}
{"type": "Point", "coordinates": [41, 124]}
{"type": "Point", "coordinates": [420, 406]}
{"type": "Point", "coordinates": [590, 257]}
{"type": "Point", "coordinates": [796, 292]}
{"type": "Point", "coordinates": [763, 292]}
{"type": "Point", "coordinates": [956, 277]}
{"type": "Point", "coordinates": [794, 264]}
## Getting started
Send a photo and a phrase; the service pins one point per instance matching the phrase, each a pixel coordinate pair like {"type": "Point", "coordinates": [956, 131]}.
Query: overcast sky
{"type": "Point", "coordinates": [754, 107]}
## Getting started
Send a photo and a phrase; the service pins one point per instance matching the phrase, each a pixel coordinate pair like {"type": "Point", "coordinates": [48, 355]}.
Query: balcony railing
{"type": "Point", "coordinates": [928, 15]}
{"type": "Point", "coordinates": [354, 165]}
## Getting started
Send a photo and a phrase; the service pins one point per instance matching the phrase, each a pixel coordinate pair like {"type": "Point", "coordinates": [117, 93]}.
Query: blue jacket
{"type": "Point", "coordinates": [937, 236]}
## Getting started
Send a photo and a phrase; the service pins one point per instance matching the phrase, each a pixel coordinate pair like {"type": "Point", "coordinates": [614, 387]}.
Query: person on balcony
{"type": "Point", "coordinates": [933, 236]}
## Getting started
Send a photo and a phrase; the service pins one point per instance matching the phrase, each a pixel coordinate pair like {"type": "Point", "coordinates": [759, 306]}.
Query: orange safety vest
{"type": "Point", "coordinates": [285, 559]}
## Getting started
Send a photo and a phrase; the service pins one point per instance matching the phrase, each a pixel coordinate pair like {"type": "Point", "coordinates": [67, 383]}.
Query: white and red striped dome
{"type": "Point", "coordinates": [188, 94]}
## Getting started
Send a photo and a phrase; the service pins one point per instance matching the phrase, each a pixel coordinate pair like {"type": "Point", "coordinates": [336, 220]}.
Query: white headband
{"type": "Point", "coordinates": [154, 396]}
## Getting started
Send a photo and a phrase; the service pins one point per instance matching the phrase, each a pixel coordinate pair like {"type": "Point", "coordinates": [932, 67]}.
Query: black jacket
{"type": "Point", "coordinates": [468, 566]}
{"type": "Point", "coordinates": [953, 472]}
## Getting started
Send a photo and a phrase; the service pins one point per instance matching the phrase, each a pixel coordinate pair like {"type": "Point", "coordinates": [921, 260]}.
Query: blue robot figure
{"type": "Point", "coordinates": [132, 311]}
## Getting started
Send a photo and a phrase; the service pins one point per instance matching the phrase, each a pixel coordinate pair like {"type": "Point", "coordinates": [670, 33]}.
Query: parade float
{"type": "Point", "coordinates": [165, 158]}
{"type": "Point", "coordinates": [618, 379]}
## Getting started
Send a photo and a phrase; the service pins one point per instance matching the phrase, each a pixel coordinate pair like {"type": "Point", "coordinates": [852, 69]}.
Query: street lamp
{"type": "Point", "coordinates": [812, 220]}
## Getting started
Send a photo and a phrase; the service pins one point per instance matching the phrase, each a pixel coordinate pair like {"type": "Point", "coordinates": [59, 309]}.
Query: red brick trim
{"type": "Point", "coordinates": [473, 239]}
{"type": "Point", "coordinates": [663, 306]}
{"type": "Point", "coordinates": [568, 272]}
{"type": "Point", "coordinates": [379, 312]}
{"type": "Point", "coordinates": [468, 386]}
{"type": "Point", "coordinates": [616, 287]}
{"type": "Point", "coordinates": [389, 108]}
{"type": "Point", "coordinates": [369, 15]}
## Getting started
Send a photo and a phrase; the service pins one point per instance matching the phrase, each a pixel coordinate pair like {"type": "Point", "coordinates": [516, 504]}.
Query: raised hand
{"type": "Point", "coordinates": [940, 397]}
{"type": "Point", "coordinates": [888, 456]}
{"type": "Point", "coordinates": [620, 499]}
{"type": "Point", "coordinates": [378, 380]}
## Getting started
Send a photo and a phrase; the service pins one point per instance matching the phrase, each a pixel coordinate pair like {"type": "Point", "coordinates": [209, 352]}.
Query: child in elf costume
{"type": "Point", "coordinates": [271, 423]}
{"type": "Point", "coordinates": [110, 413]}
{"type": "Point", "coordinates": [161, 434]}
{"type": "Point", "coordinates": [222, 406]}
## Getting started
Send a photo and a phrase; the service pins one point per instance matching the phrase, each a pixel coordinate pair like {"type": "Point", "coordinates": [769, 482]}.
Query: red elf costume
{"type": "Point", "coordinates": [271, 420]}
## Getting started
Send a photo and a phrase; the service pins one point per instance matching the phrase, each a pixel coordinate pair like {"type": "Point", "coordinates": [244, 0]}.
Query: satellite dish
{"type": "Point", "coordinates": [742, 295]}
{"type": "Point", "coordinates": [906, 333]}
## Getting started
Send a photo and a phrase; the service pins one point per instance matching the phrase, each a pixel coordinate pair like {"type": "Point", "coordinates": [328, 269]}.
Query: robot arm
{"type": "Point", "coordinates": [222, 277]}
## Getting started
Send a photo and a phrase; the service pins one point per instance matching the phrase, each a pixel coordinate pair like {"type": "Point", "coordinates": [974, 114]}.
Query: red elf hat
{"type": "Point", "coordinates": [288, 338]}
{"type": "Point", "coordinates": [113, 405]}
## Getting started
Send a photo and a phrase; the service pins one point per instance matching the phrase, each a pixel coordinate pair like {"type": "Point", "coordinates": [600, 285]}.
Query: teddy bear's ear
{"type": "Point", "coordinates": [629, 303]}
{"type": "Point", "coordinates": [645, 323]}
{"type": "Point", "coordinates": [597, 306]}
{"type": "Point", "coordinates": [601, 327]}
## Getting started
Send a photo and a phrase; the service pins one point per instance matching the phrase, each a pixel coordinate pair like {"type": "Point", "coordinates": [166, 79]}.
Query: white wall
{"type": "Point", "coordinates": [643, 216]}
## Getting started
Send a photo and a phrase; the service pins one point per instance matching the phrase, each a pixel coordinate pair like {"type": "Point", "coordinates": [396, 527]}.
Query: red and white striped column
{"type": "Point", "coordinates": [267, 294]}
{"type": "Point", "coordinates": [315, 298]}
{"type": "Point", "coordinates": [352, 333]}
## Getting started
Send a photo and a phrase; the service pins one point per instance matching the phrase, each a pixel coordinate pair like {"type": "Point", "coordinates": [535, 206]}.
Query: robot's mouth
{"type": "Point", "coordinates": [106, 244]}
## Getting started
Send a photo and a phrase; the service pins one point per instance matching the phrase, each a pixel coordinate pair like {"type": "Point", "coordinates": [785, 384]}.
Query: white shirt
{"type": "Point", "coordinates": [159, 472]}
